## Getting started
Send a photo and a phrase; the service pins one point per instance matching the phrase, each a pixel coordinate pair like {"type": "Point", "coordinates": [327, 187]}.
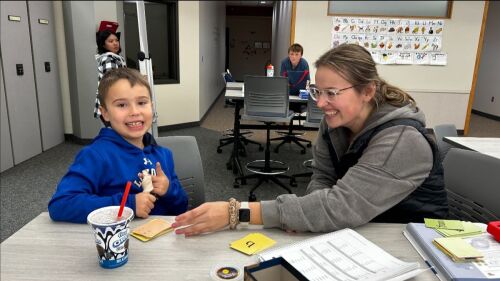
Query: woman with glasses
{"type": "Point", "coordinates": [373, 159]}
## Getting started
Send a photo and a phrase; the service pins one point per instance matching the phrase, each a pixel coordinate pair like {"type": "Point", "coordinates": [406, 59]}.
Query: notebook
{"type": "Point", "coordinates": [445, 268]}
{"type": "Point", "coordinates": [343, 255]}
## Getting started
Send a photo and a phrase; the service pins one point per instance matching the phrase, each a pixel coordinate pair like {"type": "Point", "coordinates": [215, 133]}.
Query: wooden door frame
{"type": "Point", "coordinates": [476, 68]}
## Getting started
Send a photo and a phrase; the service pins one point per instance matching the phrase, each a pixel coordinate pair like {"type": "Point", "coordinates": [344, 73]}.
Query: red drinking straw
{"type": "Point", "coordinates": [124, 199]}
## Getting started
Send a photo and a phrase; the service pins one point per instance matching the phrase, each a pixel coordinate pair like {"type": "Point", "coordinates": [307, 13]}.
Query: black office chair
{"type": "Point", "coordinates": [472, 181]}
{"type": "Point", "coordinates": [228, 134]}
{"type": "Point", "coordinates": [313, 120]}
{"type": "Point", "coordinates": [266, 100]}
{"type": "Point", "coordinates": [292, 137]}
{"type": "Point", "coordinates": [441, 131]}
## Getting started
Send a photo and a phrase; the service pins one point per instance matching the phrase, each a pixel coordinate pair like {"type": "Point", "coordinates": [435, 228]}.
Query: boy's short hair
{"type": "Point", "coordinates": [112, 76]}
{"type": "Point", "coordinates": [296, 48]}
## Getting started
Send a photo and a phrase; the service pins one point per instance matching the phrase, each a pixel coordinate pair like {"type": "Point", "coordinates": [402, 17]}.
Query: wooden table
{"type": "Point", "coordinates": [46, 250]}
{"type": "Point", "coordinates": [488, 146]}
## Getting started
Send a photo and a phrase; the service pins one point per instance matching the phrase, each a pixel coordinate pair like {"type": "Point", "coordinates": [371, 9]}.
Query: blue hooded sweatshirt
{"type": "Point", "coordinates": [98, 176]}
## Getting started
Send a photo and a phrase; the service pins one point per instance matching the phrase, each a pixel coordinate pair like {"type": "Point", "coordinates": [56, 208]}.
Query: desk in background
{"type": "Point", "coordinates": [488, 146]}
{"type": "Point", "coordinates": [45, 250]}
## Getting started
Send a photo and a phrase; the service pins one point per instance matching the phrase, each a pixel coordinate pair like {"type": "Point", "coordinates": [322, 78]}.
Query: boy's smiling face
{"type": "Point", "coordinates": [129, 110]}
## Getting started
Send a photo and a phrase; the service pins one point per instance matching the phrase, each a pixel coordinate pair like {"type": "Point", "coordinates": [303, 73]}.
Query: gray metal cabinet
{"type": "Point", "coordinates": [19, 81]}
{"type": "Point", "coordinates": [43, 43]}
{"type": "Point", "coordinates": [6, 146]}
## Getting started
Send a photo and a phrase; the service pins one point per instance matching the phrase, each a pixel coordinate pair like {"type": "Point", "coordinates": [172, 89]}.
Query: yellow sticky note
{"type": "Point", "coordinates": [469, 229]}
{"type": "Point", "coordinates": [457, 248]}
{"type": "Point", "coordinates": [443, 224]}
{"type": "Point", "coordinates": [252, 243]}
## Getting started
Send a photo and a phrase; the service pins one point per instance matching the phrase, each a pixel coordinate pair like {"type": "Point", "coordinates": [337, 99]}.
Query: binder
{"type": "Point", "coordinates": [445, 268]}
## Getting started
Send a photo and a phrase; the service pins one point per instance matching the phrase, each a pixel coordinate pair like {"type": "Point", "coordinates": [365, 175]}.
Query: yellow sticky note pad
{"type": "Point", "coordinates": [151, 229]}
{"type": "Point", "coordinates": [457, 248]}
{"type": "Point", "coordinates": [444, 224]}
{"type": "Point", "coordinates": [252, 243]}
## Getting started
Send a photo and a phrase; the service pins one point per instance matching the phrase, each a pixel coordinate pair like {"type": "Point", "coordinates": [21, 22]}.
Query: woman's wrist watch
{"type": "Point", "coordinates": [244, 214]}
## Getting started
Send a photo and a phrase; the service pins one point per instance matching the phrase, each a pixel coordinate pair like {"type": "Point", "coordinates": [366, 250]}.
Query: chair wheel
{"type": "Point", "coordinates": [219, 150]}
{"type": "Point", "coordinates": [252, 198]}
{"type": "Point", "coordinates": [261, 148]}
{"type": "Point", "coordinates": [303, 151]}
{"type": "Point", "coordinates": [309, 145]}
{"type": "Point", "coordinates": [229, 166]}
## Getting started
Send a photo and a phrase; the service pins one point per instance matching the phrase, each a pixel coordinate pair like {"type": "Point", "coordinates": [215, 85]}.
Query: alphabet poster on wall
{"type": "Point", "coordinates": [393, 41]}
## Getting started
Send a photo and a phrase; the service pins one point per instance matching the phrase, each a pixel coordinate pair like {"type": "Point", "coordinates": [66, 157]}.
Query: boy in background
{"type": "Point", "coordinates": [296, 69]}
{"type": "Point", "coordinates": [120, 153]}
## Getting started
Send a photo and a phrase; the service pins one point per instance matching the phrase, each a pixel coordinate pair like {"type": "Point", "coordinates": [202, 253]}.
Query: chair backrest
{"type": "Point", "coordinates": [314, 114]}
{"type": "Point", "coordinates": [472, 180]}
{"type": "Point", "coordinates": [188, 166]}
{"type": "Point", "coordinates": [444, 130]}
{"type": "Point", "coordinates": [266, 96]}
{"type": "Point", "coordinates": [227, 77]}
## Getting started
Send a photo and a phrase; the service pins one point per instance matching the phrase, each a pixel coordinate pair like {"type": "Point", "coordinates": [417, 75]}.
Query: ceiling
{"type": "Point", "coordinates": [250, 3]}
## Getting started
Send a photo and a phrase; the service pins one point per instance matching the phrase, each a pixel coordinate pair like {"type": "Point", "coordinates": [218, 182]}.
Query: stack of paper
{"type": "Point", "coordinates": [151, 230]}
{"type": "Point", "coordinates": [252, 243]}
{"type": "Point", "coordinates": [457, 249]}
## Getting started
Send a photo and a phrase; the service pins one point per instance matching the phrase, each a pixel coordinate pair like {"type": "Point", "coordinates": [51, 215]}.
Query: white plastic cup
{"type": "Point", "coordinates": [111, 235]}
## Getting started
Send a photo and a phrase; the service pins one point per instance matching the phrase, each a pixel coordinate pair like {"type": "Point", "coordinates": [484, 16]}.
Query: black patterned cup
{"type": "Point", "coordinates": [111, 235]}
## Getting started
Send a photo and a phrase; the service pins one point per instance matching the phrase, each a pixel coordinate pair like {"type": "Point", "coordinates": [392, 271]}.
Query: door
{"type": "Point", "coordinates": [19, 81]}
{"type": "Point", "coordinates": [43, 42]}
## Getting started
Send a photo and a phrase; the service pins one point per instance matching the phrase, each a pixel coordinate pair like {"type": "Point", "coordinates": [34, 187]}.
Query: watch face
{"type": "Point", "coordinates": [244, 215]}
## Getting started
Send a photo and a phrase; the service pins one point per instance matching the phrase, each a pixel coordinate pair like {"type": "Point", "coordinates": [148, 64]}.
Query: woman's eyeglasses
{"type": "Point", "coordinates": [330, 93]}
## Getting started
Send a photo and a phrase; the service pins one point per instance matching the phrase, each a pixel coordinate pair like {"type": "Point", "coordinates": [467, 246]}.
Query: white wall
{"type": "Point", "coordinates": [441, 91]}
{"type": "Point", "coordinates": [62, 65]}
{"type": "Point", "coordinates": [180, 103]}
{"type": "Point", "coordinates": [212, 26]}
{"type": "Point", "coordinates": [487, 86]}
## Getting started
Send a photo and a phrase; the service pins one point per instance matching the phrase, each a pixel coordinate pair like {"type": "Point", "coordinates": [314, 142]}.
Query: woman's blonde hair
{"type": "Point", "coordinates": [355, 64]}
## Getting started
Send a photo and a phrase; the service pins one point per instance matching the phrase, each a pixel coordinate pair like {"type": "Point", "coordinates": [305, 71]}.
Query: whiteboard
{"type": "Point", "coordinates": [427, 9]}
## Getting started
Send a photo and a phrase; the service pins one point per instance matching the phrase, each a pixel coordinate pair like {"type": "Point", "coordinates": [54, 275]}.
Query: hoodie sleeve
{"type": "Point", "coordinates": [76, 194]}
{"type": "Point", "coordinates": [175, 200]}
{"type": "Point", "coordinates": [394, 164]}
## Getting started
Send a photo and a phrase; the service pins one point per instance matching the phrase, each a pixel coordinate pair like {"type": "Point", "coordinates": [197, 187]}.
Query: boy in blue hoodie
{"type": "Point", "coordinates": [120, 153]}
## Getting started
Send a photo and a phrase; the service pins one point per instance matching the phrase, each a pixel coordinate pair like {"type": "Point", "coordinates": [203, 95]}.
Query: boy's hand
{"type": "Point", "coordinates": [160, 181]}
{"type": "Point", "coordinates": [144, 203]}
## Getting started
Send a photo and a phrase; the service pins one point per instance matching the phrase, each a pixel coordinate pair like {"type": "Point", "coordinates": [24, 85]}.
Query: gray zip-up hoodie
{"type": "Point", "coordinates": [396, 161]}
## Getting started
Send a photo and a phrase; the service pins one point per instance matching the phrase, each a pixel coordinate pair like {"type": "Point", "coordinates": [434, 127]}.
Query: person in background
{"type": "Point", "coordinates": [120, 153]}
{"type": "Point", "coordinates": [108, 57]}
{"type": "Point", "coordinates": [296, 69]}
{"type": "Point", "coordinates": [373, 160]}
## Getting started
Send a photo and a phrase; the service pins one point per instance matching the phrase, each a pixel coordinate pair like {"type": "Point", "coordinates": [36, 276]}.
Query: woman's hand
{"type": "Point", "coordinates": [160, 181]}
{"type": "Point", "coordinates": [144, 202]}
{"type": "Point", "coordinates": [208, 217]}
